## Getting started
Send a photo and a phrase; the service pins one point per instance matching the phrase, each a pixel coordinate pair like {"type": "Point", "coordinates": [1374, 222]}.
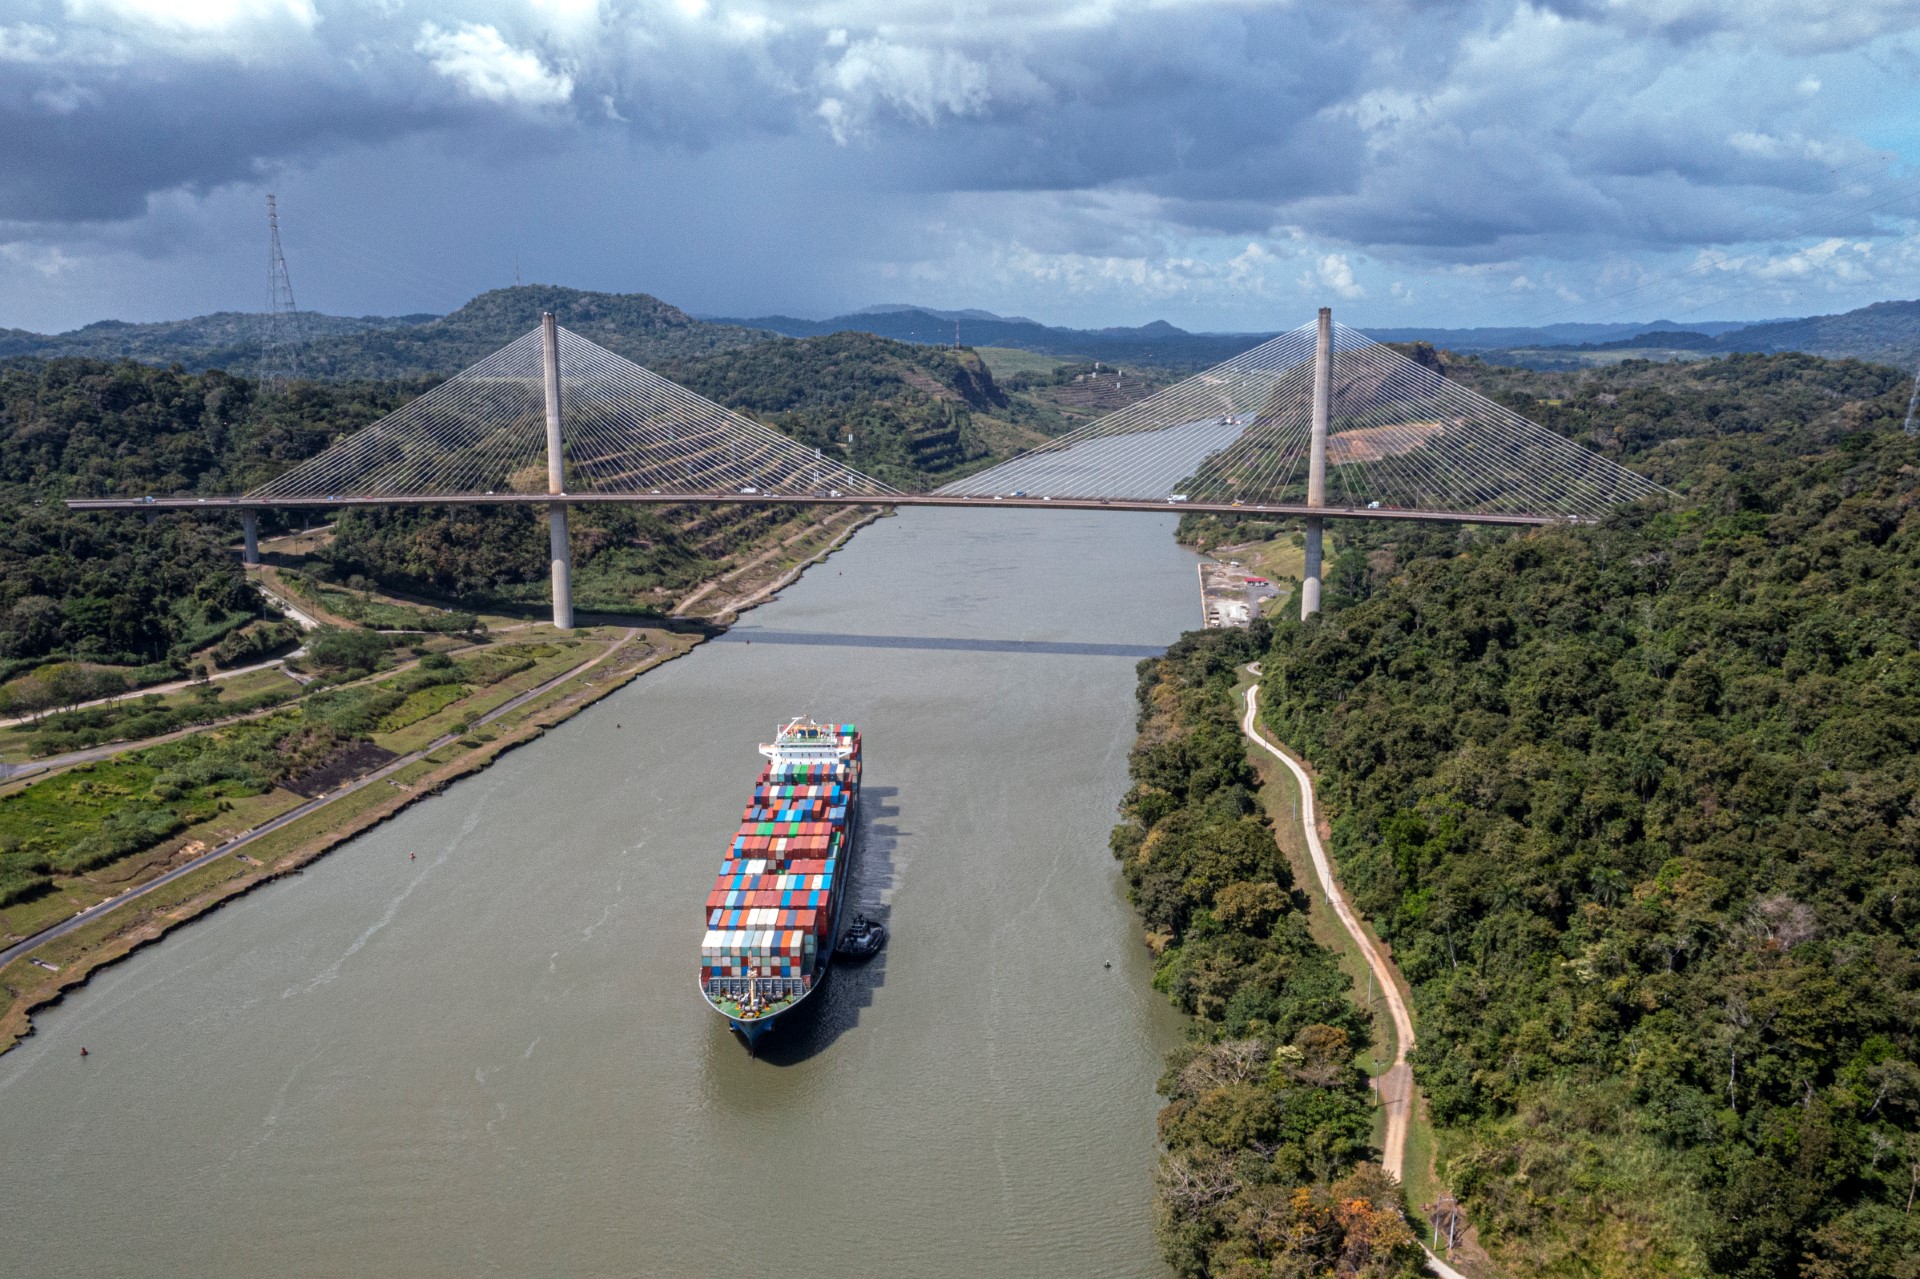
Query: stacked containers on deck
{"type": "Point", "coordinates": [772, 905]}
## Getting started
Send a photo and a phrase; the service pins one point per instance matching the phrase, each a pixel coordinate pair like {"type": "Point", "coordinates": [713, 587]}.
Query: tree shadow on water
{"type": "Point", "coordinates": [813, 1026]}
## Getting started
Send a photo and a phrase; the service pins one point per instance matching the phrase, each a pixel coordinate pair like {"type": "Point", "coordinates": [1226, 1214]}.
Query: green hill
{"type": "Point", "coordinates": [636, 325]}
{"type": "Point", "coordinates": [1886, 332]}
{"type": "Point", "coordinates": [908, 414]}
{"type": "Point", "coordinates": [1634, 806]}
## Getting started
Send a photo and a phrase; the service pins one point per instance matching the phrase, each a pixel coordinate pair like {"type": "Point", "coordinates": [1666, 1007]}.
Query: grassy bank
{"type": "Point", "coordinates": [71, 958]}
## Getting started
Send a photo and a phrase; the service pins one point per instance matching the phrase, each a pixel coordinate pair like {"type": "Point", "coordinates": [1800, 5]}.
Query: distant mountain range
{"type": "Point", "coordinates": [651, 331]}
{"type": "Point", "coordinates": [225, 339]}
{"type": "Point", "coordinates": [1495, 339]}
{"type": "Point", "coordinates": [635, 325]}
{"type": "Point", "coordinates": [1887, 332]}
{"type": "Point", "coordinates": [1884, 333]}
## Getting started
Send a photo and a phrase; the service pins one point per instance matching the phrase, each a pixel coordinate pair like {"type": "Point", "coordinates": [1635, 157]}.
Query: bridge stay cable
{"type": "Point", "coordinates": [1390, 435]}
{"type": "Point", "coordinates": [1400, 436]}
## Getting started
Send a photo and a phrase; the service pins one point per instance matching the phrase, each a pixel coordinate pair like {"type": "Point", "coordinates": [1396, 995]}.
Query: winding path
{"type": "Point", "coordinates": [1396, 1085]}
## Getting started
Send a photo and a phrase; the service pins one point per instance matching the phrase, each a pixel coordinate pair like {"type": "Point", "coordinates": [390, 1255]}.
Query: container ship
{"type": "Point", "coordinates": [775, 910]}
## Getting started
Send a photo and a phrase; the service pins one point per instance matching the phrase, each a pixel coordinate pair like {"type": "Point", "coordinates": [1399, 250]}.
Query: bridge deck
{"type": "Point", "coordinates": [785, 499]}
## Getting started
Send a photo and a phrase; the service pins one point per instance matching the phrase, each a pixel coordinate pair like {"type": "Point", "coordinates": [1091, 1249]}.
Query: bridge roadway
{"type": "Point", "coordinates": [806, 499]}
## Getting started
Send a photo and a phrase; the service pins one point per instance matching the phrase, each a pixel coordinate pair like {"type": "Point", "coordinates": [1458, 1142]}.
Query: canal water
{"type": "Point", "coordinates": [492, 1060]}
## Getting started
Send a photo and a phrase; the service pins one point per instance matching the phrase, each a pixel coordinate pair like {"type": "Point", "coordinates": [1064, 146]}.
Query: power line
{"type": "Point", "coordinates": [281, 330]}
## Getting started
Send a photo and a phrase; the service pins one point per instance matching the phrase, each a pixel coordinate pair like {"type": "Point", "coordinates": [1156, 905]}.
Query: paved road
{"type": "Point", "coordinates": [1396, 1085]}
{"type": "Point", "coordinates": [172, 687]}
{"type": "Point", "coordinates": [234, 845]}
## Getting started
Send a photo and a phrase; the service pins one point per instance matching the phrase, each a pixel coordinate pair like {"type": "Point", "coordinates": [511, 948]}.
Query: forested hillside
{"type": "Point", "coordinates": [907, 414]}
{"type": "Point", "coordinates": [1156, 345]}
{"type": "Point", "coordinates": [1638, 807]}
{"type": "Point", "coordinates": [72, 428]}
{"type": "Point", "coordinates": [112, 589]}
{"type": "Point", "coordinates": [1267, 1169]}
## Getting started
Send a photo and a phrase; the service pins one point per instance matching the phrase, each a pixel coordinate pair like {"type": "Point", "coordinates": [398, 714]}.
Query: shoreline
{"type": "Point", "coordinates": [118, 936]}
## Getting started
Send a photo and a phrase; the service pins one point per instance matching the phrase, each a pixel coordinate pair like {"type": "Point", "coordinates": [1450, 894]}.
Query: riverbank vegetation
{"type": "Point", "coordinates": [154, 714]}
{"type": "Point", "coordinates": [1267, 1169]}
{"type": "Point", "coordinates": [89, 817]}
{"type": "Point", "coordinates": [1638, 808]}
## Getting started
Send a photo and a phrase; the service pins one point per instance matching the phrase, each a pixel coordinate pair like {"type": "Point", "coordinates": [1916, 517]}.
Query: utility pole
{"type": "Point", "coordinates": [1317, 462]}
{"type": "Point", "coordinates": [280, 329]}
{"type": "Point", "coordinates": [562, 554]}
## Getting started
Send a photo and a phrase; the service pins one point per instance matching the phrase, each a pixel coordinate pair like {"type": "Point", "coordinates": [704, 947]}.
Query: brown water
{"type": "Point", "coordinates": [493, 1059]}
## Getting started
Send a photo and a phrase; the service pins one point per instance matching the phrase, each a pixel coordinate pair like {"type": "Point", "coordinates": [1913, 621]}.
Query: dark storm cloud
{"type": "Point", "coordinates": [1405, 126]}
{"type": "Point", "coordinates": [1427, 135]}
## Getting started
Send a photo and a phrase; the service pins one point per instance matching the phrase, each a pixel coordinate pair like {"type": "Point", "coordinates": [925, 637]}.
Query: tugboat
{"type": "Point", "coordinates": [862, 940]}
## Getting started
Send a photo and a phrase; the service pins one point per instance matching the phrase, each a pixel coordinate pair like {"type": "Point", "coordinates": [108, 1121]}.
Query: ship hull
{"type": "Point", "coordinates": [752, 1029]}
{"type": "Point", "coordinates": [779, 904]}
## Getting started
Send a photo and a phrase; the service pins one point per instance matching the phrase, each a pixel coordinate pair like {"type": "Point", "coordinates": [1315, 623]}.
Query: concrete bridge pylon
{"type": "Point", "coordinates": [560, 548]}
{"type": "Point", "coordinates": [1310, 572]}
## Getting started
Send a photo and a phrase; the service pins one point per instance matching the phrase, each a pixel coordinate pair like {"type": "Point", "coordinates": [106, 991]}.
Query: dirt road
{"type": "Point", "coordinates": [1396, 1085]}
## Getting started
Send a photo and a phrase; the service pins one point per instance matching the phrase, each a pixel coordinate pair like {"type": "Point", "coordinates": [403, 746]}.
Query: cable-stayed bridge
{"type": "Point", "coordinates": [1322, 422]}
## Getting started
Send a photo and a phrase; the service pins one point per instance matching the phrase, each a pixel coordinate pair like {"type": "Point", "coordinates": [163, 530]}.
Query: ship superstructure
{"type": "Point", "coordinates": [776, 907]}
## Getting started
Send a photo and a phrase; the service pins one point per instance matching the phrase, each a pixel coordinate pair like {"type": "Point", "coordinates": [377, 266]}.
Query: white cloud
{"type": "Point", "coordinates": [44, 259]}
{"type": "Point", "coordinates": [476, 58]}
{"type": "Point", "coordinates": [28, 43]}
{"type": "Point", "coordinates": [1334, 272]}
{"type": "Point", "coordinates": [924, 84]}
{"type": "Point", "coordinates": [195, 15]}
{"type": "Point", "coordinates": [1834, 260]}
{"type": "Point", "coordinates": [65, 99]}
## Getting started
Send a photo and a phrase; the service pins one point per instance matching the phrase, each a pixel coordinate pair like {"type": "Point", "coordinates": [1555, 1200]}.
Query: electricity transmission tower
{"type": "Point", "coordinates": [281, 330]}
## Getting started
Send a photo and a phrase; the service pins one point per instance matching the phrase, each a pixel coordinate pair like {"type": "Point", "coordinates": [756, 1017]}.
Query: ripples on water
{"type": "Point", "coordinates": [493, 1059]}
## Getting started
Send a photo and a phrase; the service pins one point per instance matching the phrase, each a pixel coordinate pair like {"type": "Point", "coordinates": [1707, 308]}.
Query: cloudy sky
{"type": "Point", "coordinates": [1224, 164]}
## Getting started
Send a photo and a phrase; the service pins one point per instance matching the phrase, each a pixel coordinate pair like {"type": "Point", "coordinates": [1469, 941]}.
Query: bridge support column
{"type": "Point", "coordinates": [561, 549]}
{"type": "Point", "coordinates": [250, 538]}
{"type": "Point", "coordinates": [1310, 574]}
{"type": "Point", "coordinates": [562, 566]}
{"type": "Point", "coordinates": [1317, 462]}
